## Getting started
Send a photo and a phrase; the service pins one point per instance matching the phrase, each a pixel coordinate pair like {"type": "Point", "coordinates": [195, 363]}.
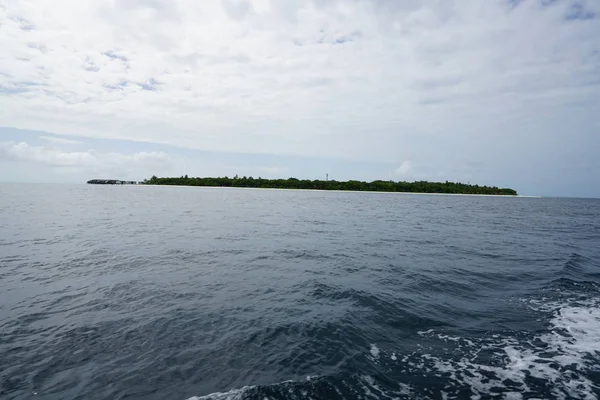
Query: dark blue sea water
{"type": "Point", "coordinates": [124, 292]}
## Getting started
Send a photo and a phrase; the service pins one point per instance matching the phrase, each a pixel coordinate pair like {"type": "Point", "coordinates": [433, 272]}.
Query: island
{"type": "Point", "coordinates": [352, 185]}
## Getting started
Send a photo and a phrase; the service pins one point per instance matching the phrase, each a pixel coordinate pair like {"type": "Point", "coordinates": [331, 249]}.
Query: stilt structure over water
{"type": "Point", "coordinates": [110, 182]}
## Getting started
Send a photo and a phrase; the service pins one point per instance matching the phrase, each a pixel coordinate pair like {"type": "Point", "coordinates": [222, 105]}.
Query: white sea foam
{"type": "Point", "coordinates": [561, 357]}
{"type": "Point", "coordinates": [371, 390]}
{"type": "Point", "coordinates": [235, 394]}
{"type": "Point", "coordinates": [374, 351]}
{"type": "Point", "coordinates": [425, 332]}
{"type": "Point", "coordinates": [405, 389]}
{"type": "Point", "coordinates": [583, 327]}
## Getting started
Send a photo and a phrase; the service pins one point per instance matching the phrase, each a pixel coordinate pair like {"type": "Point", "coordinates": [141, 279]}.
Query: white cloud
{"type": "Point", "coordinates": [60, 140]}
{"type": "Point", "coordinates": [50, 157]}
{"type": "Point", "coordinates": [365, 80]}
{"type": "Point", "coordinates": [59, 165]}
{"type": "Point", "coordinates": [275, 170]}
{"type": "Point", "coordinates": [86, 162]}
{"type": "Point", "coordinates": [405, 170]}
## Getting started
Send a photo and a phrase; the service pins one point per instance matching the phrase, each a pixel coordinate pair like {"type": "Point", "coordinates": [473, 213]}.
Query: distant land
{"type": "Point", "coordinates": [375, 186]}
{"type": "Point", "coordinates": [110, 182]}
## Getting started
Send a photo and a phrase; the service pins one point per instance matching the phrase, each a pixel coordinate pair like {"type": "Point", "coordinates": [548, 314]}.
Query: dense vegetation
{"type": "Point", "coordinates": [293, 183]}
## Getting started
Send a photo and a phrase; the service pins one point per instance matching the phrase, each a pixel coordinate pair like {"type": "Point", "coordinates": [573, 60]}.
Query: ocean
{"type": "Point", "coordinates": [131, 292]}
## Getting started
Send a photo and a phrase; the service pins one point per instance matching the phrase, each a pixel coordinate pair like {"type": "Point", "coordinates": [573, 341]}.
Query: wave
{"type": "Point", "coordinates": [557, 363]}
{"type": "Point", "coordinates": [576, 264]}
{"type": "Point", "coordinates": [234, 394]}
{"type": "Point", "coordinates": [562, 362]}
{"type": "Point", "coordinates": [356, 386]}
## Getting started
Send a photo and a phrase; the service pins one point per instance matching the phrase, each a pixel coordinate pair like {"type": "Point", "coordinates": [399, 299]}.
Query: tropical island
{"type": "Point", "coordinates": [293, 183]}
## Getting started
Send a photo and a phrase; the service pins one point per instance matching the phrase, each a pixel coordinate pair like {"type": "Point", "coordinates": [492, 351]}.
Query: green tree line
{"type": "Point", "coordinates": [293, 183]}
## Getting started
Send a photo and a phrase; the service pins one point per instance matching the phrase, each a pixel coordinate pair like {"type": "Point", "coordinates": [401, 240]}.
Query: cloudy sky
{"type": "Point", "coordinates": [499, 92]}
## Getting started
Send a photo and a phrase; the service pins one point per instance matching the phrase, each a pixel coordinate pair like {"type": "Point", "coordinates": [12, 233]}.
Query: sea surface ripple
{"type": "Point", "coordinates": [125, 292]}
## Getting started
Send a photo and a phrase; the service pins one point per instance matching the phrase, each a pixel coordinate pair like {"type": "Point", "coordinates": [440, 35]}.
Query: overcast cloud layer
{"type": "Point", "coordinates": [495, 91]}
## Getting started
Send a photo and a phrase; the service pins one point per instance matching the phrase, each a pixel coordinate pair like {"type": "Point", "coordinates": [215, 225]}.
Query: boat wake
{"type": "Point", "coordinates": [561, 362]}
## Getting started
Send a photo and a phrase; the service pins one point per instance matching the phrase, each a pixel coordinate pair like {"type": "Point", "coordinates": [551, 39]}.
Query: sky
{"type": "Point", "coordinates": [497, 92]}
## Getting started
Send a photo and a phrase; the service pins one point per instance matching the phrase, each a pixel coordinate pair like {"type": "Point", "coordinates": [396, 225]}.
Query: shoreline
{"type": "Point", "coordinates": [343, 191]}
